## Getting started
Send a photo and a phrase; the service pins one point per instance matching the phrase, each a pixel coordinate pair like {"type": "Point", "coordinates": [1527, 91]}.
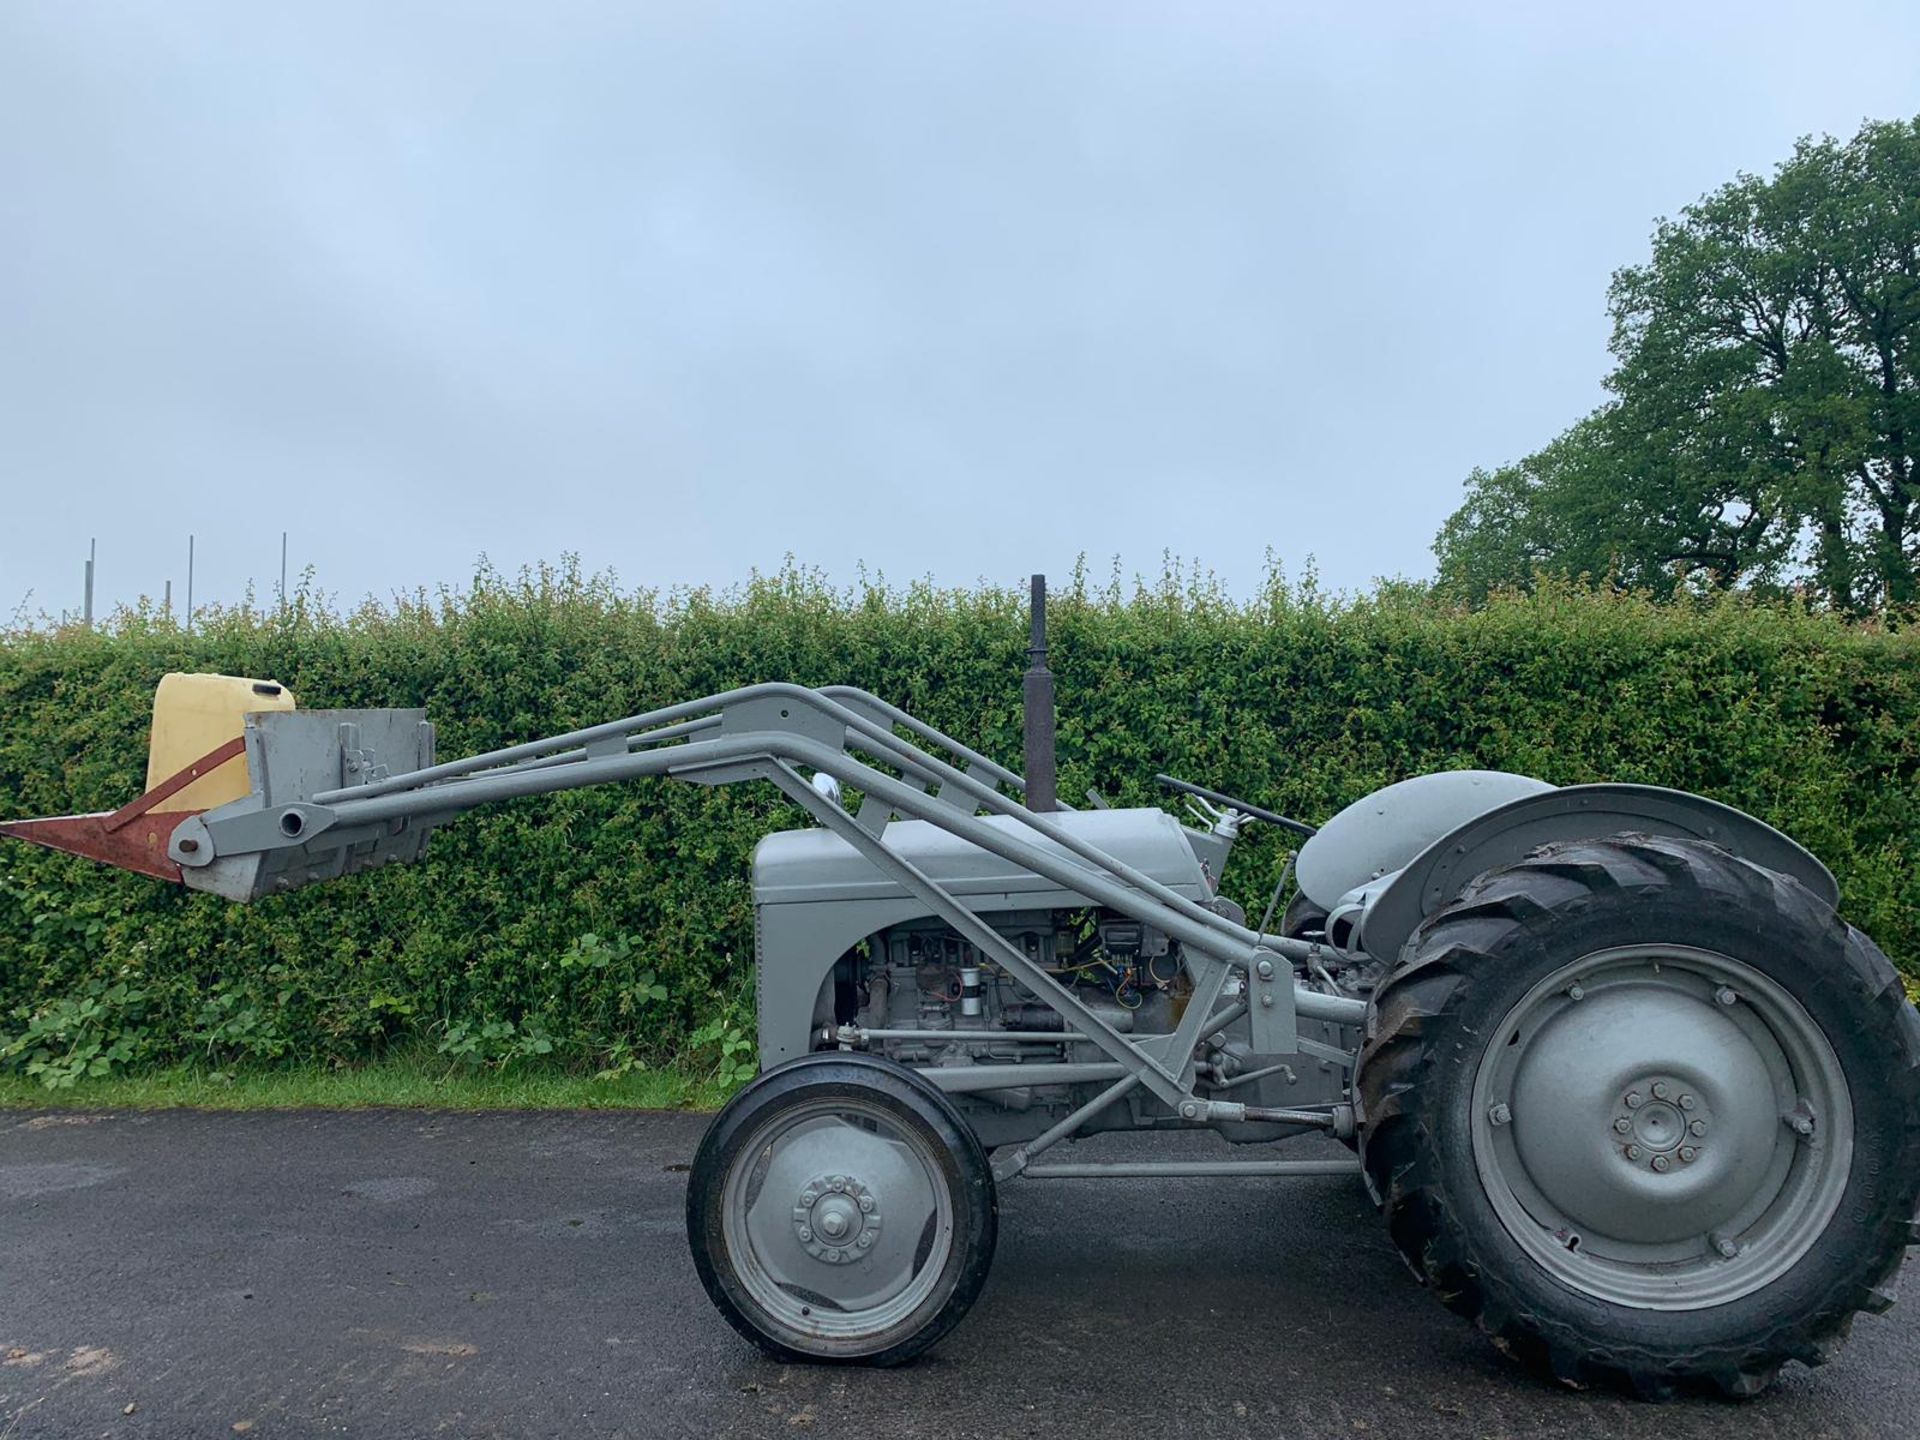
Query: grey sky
{"type": "Point", "coordinates": [958, 291]}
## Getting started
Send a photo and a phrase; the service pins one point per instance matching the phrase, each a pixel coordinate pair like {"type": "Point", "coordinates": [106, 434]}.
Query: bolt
{"type": "Point", "coordinates": [1660, 1091]}
{"type": "Point", "coordinates": [866, 1202]}
{"type": "Point", "coordinates": [1687, 1102]}
{"type": "Point", "coordinates": [866, 1239]}
{"type": "Point", "coordinates": [1688, 1154]}
{"type": "Point", "coordinates": [1218, 1038]}
{"type": "Point", "coordinates": [809, 1195]}
{"type": "Point", "coordinates": [1266, 997]}
{"type": "Point", "coordinates": [1623, 1125]}
{"type": "Point", "coordinates": [1264, 970]}
{"type": "Point", "coordinates": [1726, 995]}
{"type": "Point", "coordinates": [806, 1232]}
{"type": "Point", "coordinates": [1698, 1127]}
{"type": "Point", "coordinates": [1500, 1114]}
{"type": "Point", "coordinates": [835, 1225]}
{"type": "Point", "coordinates": [1576, 992]}
{"type": "Point", "coordinates": [833, 1257]}
{"type": "Point", "coordinates": [1662, 1164]}
{"type": "Point", "coordinates": [838, 1182]}
{"type": "Point", "coordinates": [1724, 1245]}
{"type": "Point", "coordinates": [1633, 1098]}
{"type": "Point", "coordinates": [1801, 1125]}
{"type": "Point", "coordinates": [1633, 1152]}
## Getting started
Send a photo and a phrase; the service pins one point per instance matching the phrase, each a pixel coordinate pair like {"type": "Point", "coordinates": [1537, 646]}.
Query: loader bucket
{"type": "Point", "coordinates": [196, 760]}
{"type": "Point", "coordinates": [222, 745]}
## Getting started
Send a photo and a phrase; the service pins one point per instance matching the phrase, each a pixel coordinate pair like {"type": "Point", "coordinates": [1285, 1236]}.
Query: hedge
{"type": "Point", "coordinates": [612, 927]}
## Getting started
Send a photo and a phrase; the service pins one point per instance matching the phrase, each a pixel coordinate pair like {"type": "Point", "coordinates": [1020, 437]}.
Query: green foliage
{"type": "Point", "coordinates": [76, 1037]}
{"type": "Point", "coordinates": [1764, 428]}
{"type": "Point", "coordinates": [609, 932]}
{"type": "Point", "coordinates": [495, 1042]}
{"type": "Point", "coordinates": [726, 1044]}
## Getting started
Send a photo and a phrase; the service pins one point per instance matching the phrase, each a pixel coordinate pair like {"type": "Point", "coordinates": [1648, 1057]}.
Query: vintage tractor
{"type": "Point", "coordinates": [1632, 1095]}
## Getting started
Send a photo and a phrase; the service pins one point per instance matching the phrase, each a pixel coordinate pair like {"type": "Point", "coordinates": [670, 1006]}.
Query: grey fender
{"type": "Point", "coordinates": [1381, 832]}
{"type": "Point", "coordinates": [1509, 832]}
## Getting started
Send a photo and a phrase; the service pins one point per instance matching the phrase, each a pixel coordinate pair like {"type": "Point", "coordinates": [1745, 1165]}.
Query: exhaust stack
{"type": "Point", "coordinates": [1037, 700]}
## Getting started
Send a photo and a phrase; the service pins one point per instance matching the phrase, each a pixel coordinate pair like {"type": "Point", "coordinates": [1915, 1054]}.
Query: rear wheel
{"type": "Point", "coordinates": [840, 1209]}
{"type": "Point", "coordinates": [1646, 1112]}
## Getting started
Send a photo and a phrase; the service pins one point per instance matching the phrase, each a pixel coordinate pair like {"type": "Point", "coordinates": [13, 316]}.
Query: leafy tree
{"type": "Point", "coordinates": [1764, 425]}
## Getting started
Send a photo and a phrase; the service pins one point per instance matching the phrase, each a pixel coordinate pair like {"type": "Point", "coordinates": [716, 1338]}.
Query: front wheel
{"type": "Point", "coordinates": [1646, 1112]}
{"type": "Point", "coordinates": [840, 1209]}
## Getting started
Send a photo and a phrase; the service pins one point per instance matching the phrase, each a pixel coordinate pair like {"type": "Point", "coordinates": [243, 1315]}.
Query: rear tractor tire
{"type": "Point", "coordinates": [1648, 1114]}
{"type": "Point", "coordinates": [840, 1210]}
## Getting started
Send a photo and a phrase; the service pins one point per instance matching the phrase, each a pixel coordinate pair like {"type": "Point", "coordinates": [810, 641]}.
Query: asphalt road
{"type": "Point", "coordinates": [400, 1274]}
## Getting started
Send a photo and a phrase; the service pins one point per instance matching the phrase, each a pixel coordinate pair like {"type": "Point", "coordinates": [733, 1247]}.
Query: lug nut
{"type": "Point", "coordinates": [1662, 1164]}
{"type": "Point", "coordinates": [1698, 1127]}
{"type": "Point", "coordinates": [1500, 1114]}
{"type": "Point", "coordinates": [1633, 1099]}
{"type": "Point", "coordinates": [866, 1239]}
{"type": "Point", "coordinates": [1633, 1152]}
{"type": "Point", "coordinates": [866, 1202]}
{"type": "Point", "coordinates": [1726, 995]}
{"type": "Point", "coordinates": [1688, 1154]}
{"type": "Point", "coordinates": [1660, 1091]}
{"type": "Point", "coordinates": [1623, 1125]}
{"type": "Point", "coordinates": [807, 1197]}
{"type": "Point", "coordinates": [838, 1182]}
{"type": "Point", "coordinates": [806, 1232]}
{"type": "Point", "coordinates": [1687, 1102]}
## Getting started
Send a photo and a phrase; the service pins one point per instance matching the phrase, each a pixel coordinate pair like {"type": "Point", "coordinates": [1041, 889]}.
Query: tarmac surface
{"type": "Point", "coordinates": [400, 1273]}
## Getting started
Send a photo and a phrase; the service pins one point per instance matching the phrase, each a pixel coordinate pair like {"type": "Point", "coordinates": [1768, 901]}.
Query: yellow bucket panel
{"type": "Point", "coordinates": [194, 715]}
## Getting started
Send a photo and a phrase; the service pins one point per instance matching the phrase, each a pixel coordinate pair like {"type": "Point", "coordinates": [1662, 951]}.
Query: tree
{"type": "Point", "coordinates": [1764, 425]}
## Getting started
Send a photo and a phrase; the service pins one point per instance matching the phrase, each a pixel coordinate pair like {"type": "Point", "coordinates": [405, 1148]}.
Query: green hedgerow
{"type": "Point", "coordinates": [612, 927]}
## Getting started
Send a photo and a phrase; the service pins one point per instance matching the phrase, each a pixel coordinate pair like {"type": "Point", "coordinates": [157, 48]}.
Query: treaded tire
{"type": "Point", "coordinates": [912, 1102]}
{"type": "Point", "coordinates": [1443, 1007]}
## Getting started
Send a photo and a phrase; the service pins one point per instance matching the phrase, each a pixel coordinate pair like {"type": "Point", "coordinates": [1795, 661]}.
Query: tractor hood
{"type": "Point", "coordinates": [799, 866]}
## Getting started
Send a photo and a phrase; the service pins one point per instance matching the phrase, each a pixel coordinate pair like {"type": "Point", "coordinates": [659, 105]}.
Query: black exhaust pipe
{"type": "Point", "coordinates": [1038, 697]}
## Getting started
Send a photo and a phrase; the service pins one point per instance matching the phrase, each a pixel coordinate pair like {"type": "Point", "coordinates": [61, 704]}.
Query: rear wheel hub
{"type": "Point", "coordinates": [1658, 1108]}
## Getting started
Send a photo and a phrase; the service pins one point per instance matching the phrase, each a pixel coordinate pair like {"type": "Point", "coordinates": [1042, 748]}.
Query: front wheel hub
{"type": "Point", "coordinates": [836, 1218]}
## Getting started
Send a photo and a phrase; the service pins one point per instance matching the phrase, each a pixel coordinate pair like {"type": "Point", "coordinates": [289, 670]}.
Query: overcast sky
{"type": "Point", "coordinates": [957, 291]}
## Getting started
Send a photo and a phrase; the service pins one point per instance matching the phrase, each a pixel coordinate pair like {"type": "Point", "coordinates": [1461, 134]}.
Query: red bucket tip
{"type": "Point", "coordinates": [139, 845]}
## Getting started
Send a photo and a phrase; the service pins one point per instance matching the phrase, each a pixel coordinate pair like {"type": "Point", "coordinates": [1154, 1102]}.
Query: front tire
{"type": "Point", "coordinates": [1647, 1113]}
{"type": "Point", "coordinates": [839, 1210]}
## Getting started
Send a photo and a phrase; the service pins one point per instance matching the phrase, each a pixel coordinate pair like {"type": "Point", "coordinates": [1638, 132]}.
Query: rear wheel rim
{"type": "Point", "coordinates": [838, 1221]}
{"type": "Point", "coordinates": [1662, 1127]}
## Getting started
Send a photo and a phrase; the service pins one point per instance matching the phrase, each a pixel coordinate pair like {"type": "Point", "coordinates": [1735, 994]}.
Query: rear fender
{"type": "Point", "coordinates": [1506, 834]}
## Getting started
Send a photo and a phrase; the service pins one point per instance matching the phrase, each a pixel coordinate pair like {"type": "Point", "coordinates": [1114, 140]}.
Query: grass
{"type": "Point", "coordinates": [410, 1081]}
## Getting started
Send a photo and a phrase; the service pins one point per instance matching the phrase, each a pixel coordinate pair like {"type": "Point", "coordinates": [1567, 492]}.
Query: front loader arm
{"type": "Point", "coordinates": [326, 801]}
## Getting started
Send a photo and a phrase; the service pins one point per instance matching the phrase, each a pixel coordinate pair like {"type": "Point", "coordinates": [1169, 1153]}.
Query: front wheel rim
{"type": "Point", "coordinates": [1662, 1127]}
{"type": "Point", "coordinates": [838, 1222]}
